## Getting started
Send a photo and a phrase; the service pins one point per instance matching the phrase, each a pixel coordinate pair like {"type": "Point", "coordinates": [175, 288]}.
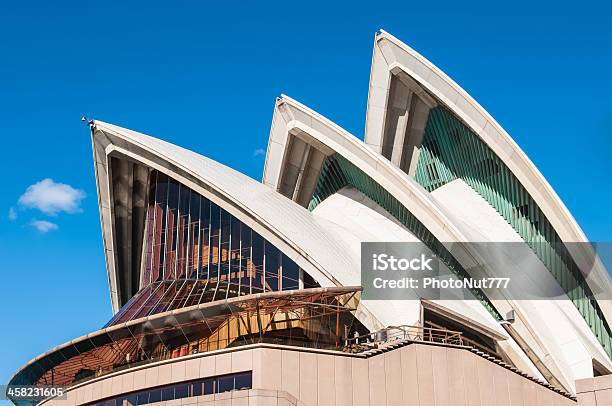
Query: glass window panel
{"type": "Point", "coordinates": [159, 250]}
{"type": "Point", "coordinates": [309, 281]}
{"type": "Point", "coordinates": [224, 254]}
{"type": "Point", "coordinates": [159, 290]}
{"type": "Point", "coordinates": [167, 393]}
{"type": "Point", "coordinates": [194, 235]}
{"type": "Point", "coordinates": [235, 260]}
{"type": "Point", "coordinates": [171, 335]}
{"type": "Point", "coordinates": [290, 274]}
{"type": "Point", "coordinates": [131, 400]}
{"type": "Point", "coordinates": [209, 386]}
{"type": "Point", "coordinates": [56, 358]}
{"type": "Point", "coordinates": [182, 233]}
{"type": "Point", "coordinates": [215, 317]}
{"type": "Point", "coordinates": [126, 347]}
{"type": "Point", "coordinates": [150, 227]}
{"type": "Point", "coordinates": [181, 391]}
{"type": "Point", "coordinates": [271, 267]}
{"type": "Point", "coordinates": [195, 329]}
{"type": "Point", "coordinates": [257, 254]}
{"type": "Point", "coordinates": [155, 396]}
{"type": "Point", "coordinates": [100, 339]}
{"type": "Point", "coordinates": [33, 372]}
{"type": "Point", "coordinates": [142, 398]}
{"type": "Point", "coordinates": [183, 291]}
{"type": "Point", "coordinates": [225, 384]}
{"type": "Point", "coordinates": [132, 308]}
{"type": "Point", "coordinates": [76, 348]}
{"type": "Point", "coordinates": [171, 230]}
{"type": "Point", "coordinates": [196, 388]}
{"type": "Point", "coordinates": [246, 262]}
{"type": "Point", "coordinates": [152, 347]}
{"type": "Point", "coordinates": [243, 381]}
{"type": "Point", "coordinates": [214, 260]}
{"type": "Point", "coordinates": [195, 294]}
{"type": "Point", "coordinates": [45, 363]}
{"type": "Point", "coordinates": [191, 237]}
{"type": "Point", "coordinates": [204, 238]}
{"type": "Point", "coordinates": [166, 298]}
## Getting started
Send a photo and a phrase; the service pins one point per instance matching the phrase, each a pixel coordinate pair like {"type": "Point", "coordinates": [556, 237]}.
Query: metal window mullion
{"type": "Point", "coordinates": [197, 260]}
{"type": "Point", "coordinates": [176, 237]}
{"type": "Point", "coordinates": [161, 297]}
{"type": "Point", "coordinates": [229, 259]}
{"type": "Point", "coordinates": [152, 260]}
{"type": "Point", "coordinates": [218, 254]}
{"type": "Point", "coordinates": [188, 239]}
{"type": "Point", "coordinates": [166, 229]}
{"type": "Point", "coordinates": [178, 292]}
{"type": "Point", "coordinates": [150, 295]}
{"type": "Point", "coordinates": [252, 263]}
{"type": "Point", "coordinates": [240, 259]}
{"type": "Point", "coordinates": [193, 288]}
{"type": "Point", "coordinates": [263, 282]}
{"type": "Point", "coordinates": [209, 253]}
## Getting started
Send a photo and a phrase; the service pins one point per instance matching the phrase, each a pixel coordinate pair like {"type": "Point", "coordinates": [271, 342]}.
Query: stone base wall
{"type": "Point", "coordinates": [595, 391]}
{"type": "Point", "coordinates": [253, 397]}
{"type": "Point", "coordinates": [416, 374]}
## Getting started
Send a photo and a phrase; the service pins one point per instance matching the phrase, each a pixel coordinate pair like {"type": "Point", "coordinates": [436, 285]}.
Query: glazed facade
{"type": "Point", "coordinates": [190, 238]}
{"type": "Point", "coordinates": [226, 290]}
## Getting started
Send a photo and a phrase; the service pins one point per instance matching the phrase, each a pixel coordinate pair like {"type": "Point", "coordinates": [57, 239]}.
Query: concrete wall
{"type": "Point", "coordinates": [595, 391]}
{"type": "Point", "coordinates": [413, 375]}
{"type": "Point", "coordinates": [162, 373]}
{"type": "Point", "coordinates": [253, 397]}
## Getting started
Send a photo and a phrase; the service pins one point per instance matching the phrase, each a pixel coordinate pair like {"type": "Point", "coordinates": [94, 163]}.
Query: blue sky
{"type": "Point", "coordinates": [194, 74]}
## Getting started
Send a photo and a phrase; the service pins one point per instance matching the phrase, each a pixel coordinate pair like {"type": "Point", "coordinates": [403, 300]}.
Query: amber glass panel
{"type": "Point", "coordinates": [183, 231]}
{"type": "Point", "coordinates": [190, 237]}
{"type": "Point", "coordinates": [194, 236]}
{"type": "Point", "coordinates": [150, 229]}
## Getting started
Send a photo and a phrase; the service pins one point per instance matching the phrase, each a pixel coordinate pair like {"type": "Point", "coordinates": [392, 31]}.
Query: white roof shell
{"type": "Point", "coordinates": [291, 118]}
{"type": "Point", "coordinates": [293, 229]}
{"type": "Point", "coordinates": [390, 55]}
{"type": "Point", "coordinates": [314, 240]}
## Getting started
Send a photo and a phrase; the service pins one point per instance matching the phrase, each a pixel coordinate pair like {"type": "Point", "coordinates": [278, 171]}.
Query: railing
{"type": "Point", "coordinates": [355, 345]}
{"type": "Point", "coordinates": [390, 334]}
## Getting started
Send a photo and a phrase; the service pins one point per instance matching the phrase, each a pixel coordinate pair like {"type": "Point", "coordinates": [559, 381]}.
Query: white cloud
{"type": "Point", "coordinates": [12, 214]}
{"type": "Point", "coordinates": [259, 152]}
{"type": "Point", "coordinates": [44, 226]}
{"type": "Point", "coordinates": [52, 198]}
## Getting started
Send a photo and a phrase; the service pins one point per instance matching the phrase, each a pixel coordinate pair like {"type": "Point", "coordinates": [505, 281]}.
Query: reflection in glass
{"type": "Point", "coordinates": [203, 386]}
{"type": "Point", "coordinates": [190, 237]}
{"type": "Point", "coordinates": [320, 318]}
